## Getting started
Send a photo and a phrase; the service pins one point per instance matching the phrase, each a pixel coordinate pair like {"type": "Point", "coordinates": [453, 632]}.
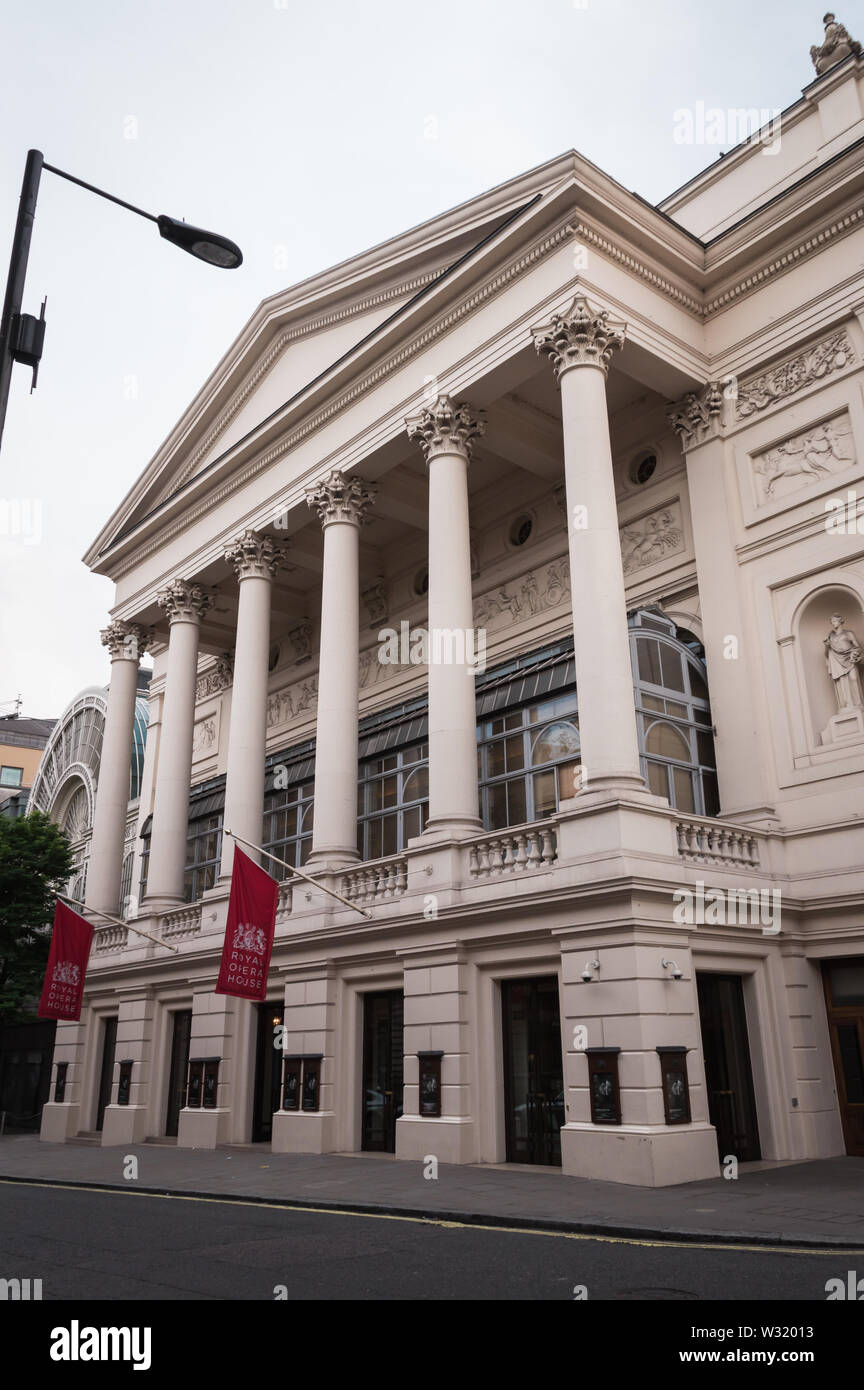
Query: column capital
{"type": "Point", "coordinates": [446, 428]}
{"type": "Point", "coordinates": [698, 415]}
{"type": "Point", "coordinates": [184, 601]}
{"type": "Point", "coordinates": [341, 497]}
{"type": "Point", "coordinates": [125, 641]}
{"type": "Point", "coordinates": [581, 337]}
{"type": "Point", "coordinates": [253, 556]}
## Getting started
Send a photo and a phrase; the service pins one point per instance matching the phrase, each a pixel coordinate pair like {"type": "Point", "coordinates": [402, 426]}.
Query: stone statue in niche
{"type": "Point", "coordinates": [843, 656]}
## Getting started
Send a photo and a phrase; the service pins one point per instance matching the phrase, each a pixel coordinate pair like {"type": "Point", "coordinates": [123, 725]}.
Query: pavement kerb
{"type": "Point", "coordinates": [509, 1222]}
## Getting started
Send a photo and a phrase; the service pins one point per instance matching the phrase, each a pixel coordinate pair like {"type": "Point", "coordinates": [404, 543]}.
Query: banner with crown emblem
{"type": "Point", "coordinates": [63, 989]}
{"type": "Point", "coordinates": [249, 930]}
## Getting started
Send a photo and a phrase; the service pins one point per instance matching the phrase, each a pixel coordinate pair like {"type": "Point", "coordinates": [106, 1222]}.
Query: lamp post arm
{"type": "Point", "coordinates": [91, 188]}
{"type": "Point", "coordinates": [18, 271]}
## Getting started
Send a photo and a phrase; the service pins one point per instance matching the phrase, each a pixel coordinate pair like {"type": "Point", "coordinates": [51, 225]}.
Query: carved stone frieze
{"type": "Point", "coordinates": [793, 375]}
{"type": "Point", "coordinates": [217, 679]}
{"type": "Point", "coordinates": [652, 538]}
{"type": "Point", "coordinates": [805, 458]}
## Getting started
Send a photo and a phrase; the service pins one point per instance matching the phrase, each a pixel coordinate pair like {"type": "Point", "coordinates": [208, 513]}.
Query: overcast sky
{"type": "Point", "coordinates": [302, 131]}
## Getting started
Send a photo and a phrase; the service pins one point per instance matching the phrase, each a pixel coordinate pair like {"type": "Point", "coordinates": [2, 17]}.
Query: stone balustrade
{"type": "Point", "coordinates": [715, 842]}
{"type": "Point", "coordinates": [181, 923]}
{"type": "Point", "coordinates": [108, 939]}
{"type": "Point", "coordinates": [285, 903]}
{"type": "Point", "coordinates": [379, 882]}
{"type": "Point", "coordinates": [513, 851]}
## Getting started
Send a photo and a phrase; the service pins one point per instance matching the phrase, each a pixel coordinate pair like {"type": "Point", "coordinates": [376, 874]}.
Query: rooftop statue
{"type": "Point", "coordinates": [836, 46]}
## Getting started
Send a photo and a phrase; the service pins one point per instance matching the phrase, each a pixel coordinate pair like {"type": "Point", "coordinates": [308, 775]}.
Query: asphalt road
{"type": "Point", "coordinates": [87, 1245]}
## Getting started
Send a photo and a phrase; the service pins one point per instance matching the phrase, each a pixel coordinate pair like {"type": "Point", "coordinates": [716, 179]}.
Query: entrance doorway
{"type": "Point", "coordinates": [268, 1072]}
{"type": "Point", "coordinates": [382, 1069]}
{"type": "Point", "coordinates": [181, 1036]}
{"type": "Point", "coordinates": [106, 1075]}
{"type": "Point", "coordinates": [533, 1070]}
{"type": "Point", "coordinates": [844, 997]}
{"type": "Point", "coordinates": [728, 1074]}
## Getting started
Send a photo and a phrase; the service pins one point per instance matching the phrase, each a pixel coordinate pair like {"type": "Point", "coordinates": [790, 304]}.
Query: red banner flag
{"type": "Point", "coordinates": [63, 989]}
{"type": "Point", "coordinates": [249, 930]}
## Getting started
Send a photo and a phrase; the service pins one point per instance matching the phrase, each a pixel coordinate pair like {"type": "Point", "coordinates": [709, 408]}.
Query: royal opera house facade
{"type": "Point", "coordinates": [508, 579]}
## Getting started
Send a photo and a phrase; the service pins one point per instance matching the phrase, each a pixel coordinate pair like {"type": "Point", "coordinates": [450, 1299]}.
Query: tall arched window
{"type": "Point", "coordinates": [676, 744]}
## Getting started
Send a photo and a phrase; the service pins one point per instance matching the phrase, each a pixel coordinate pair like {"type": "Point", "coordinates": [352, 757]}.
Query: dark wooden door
{"type": "Point", "coordinates": [106, 1075]}
{"type": "Point", "coordinates": [180, 1039]}
{"type": "Point", "coordinates": [728, 1073]}
{"type": "Point", "coordinates": [383, 1064]}
{"type": "Point", "coordinates": [268, 1072]}
{"type": "Point", "coordinates": [533, 1070]}
{"type": "Point", "coordinates": [844, 998]}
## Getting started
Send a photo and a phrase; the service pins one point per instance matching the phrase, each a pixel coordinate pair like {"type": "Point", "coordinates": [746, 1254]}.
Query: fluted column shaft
{"type": "Point", "coordinates": [445, 432]}
{"type": "Point", "coordinates": [185, 605]}
{"type": "Point", "coordinates": [255, 560]}
{"type": "Point", "coordinates": [580, 344]}
{"type": "Point", "coordinates": [126, 643]}
{"type": "Point", "coordinates": [341, 501]}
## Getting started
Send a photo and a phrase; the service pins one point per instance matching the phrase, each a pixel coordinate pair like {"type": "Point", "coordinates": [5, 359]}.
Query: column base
{"type": "Point", "coordinates": [445, 829]}
{"type": "Point", "coordinates": [602, 790]}
{"type": "Point", "coordinates": [331, 860]}
{"type": "Point", "coordinates": [152, 907]}
{"type": "Point", "coordinates": [641, 1155]}
{"type": "Point", "coordinates": [203, 1129]}
{"type": "Point", "coordinates": [297, 1133]}
{"type": "Point", "coordinates": [449, 1138]}
{"type": "Point", "coordinates": [124, 1124]}
{"type": "Point", "coordinates": [60, 1121]}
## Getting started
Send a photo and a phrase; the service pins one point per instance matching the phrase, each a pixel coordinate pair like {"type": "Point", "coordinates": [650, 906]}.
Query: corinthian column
{"type": "Point", "coordinates": [184, 604]}
{"type": "Point", "coordinates": [341, 501]}
{"type": "Point", "coordinates": [580, 344]}
{"type": "Point", "coordinates": [126, 644]}
{"type": "Point", "coordinates": [445, 432]}
{"type": "Point", "coordinates": [255, 560]}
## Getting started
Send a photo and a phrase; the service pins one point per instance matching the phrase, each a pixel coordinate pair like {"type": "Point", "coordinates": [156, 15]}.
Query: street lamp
{"type": "Point", "coordinates": [22, 335]}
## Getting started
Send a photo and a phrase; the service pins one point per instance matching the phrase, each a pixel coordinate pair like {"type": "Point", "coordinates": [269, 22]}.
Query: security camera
{"type": "Point", "coordinates": [676, 973]}
{"type": "Point", "coordinates": [672, 967]}
{"type": "Point", "coordinates": [587, 975]}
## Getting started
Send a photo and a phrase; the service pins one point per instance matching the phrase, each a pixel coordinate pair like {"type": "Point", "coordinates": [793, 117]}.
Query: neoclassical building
{"type": "Point", "coordinates": [508, 578]}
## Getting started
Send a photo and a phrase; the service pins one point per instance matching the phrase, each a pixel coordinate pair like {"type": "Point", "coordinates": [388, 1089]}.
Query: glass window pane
{"type": "Point", "coordinates": [411, 823]}
{"type": "Point", "coordinates": [668, 742]}
{"type": "Point", "coordinates": [565, 704]}
{"type": "Point", "coordinates": [545, 802]}
{"type": "Point", "coordinates": [697, 684]}
{"type": "Point", "coordinates": [416, 785]}
{"type": "Point", "coordinates": [517, 813]}
{"type": "Point", "coordinates": [653, 702]}
{"type": "Point", "coordinates": [705, 746]}
{"type": "Point", "coordinates": [495, 760]}
{"type": "Point", "coordinates": [670, 661]}
{"type": "Point", "coordinates": [649, 660]}
{"type": "Point", "coordinates": [513, 721]}
{"type": "Point", "coordinates": [683, 790]}
{"type": "Point", "coordinates": [515, 746]}
{"type": "Point", "coordinates": [390, 835]}
{"type": "Point", "coordinates": [710, 794]}
{"type": "Point", "coordinates": [566, 774]}
{"type": "Point", "coordinates": [702, 716]}
{"type": "Point", "coordinates": [497, 803]}
{"type": "Point", "coordinates": [681, 711]}
{"type": "Point", "coordinates": [557, 742]}
{"type": "Point", "coordinates": [374, 840]}
{"type": "Point", "coordinates": [847, 984]}
{"type": "Point", "coordinates": [658, 779]}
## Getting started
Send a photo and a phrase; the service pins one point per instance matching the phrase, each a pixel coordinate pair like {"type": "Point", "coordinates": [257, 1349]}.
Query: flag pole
{"type": "Point", "coordinates": [117, 922]}
{"type": "Point", "coordinates": [316, 883]}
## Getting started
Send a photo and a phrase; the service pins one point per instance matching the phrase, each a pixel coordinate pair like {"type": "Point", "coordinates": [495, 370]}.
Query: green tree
{"type": "Point", "coordinates": [35, 864]}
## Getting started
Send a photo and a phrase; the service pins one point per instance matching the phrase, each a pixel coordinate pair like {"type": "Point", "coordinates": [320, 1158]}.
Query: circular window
{"type": "Point", "coordinates": [421, 581]}
{"type": "Point", "coordinates": [643, 467]}
{"type": "Point", "coordinates": [520, 530]}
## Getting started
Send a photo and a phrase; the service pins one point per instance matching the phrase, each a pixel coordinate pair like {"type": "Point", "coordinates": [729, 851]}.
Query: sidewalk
{"type": "Point", "coordinates": [816, 1203]}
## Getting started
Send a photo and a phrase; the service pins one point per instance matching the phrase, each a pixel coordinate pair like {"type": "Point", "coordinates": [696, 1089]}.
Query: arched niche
{"type": "Point", "coordinates": [811, 627]}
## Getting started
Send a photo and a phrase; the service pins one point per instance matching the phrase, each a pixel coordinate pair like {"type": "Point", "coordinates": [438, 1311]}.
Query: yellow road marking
{"type": "Point", "coordinates": [436, 1221]}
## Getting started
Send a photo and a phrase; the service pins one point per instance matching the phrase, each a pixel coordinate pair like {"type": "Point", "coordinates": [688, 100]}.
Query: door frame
{"type": "Point", "coordinates": [751, 1028]}
{"type": "Point", "coordinates": [366, 995]}
{"type": "Point", "coordinates": [504, 1053]}
{"type": "Point", "coordinates": [109, 1021]}
{"type": "Point", "coordinates": [837, 1014]}
{"type": "Point", "coordinates": [271, 1006]}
